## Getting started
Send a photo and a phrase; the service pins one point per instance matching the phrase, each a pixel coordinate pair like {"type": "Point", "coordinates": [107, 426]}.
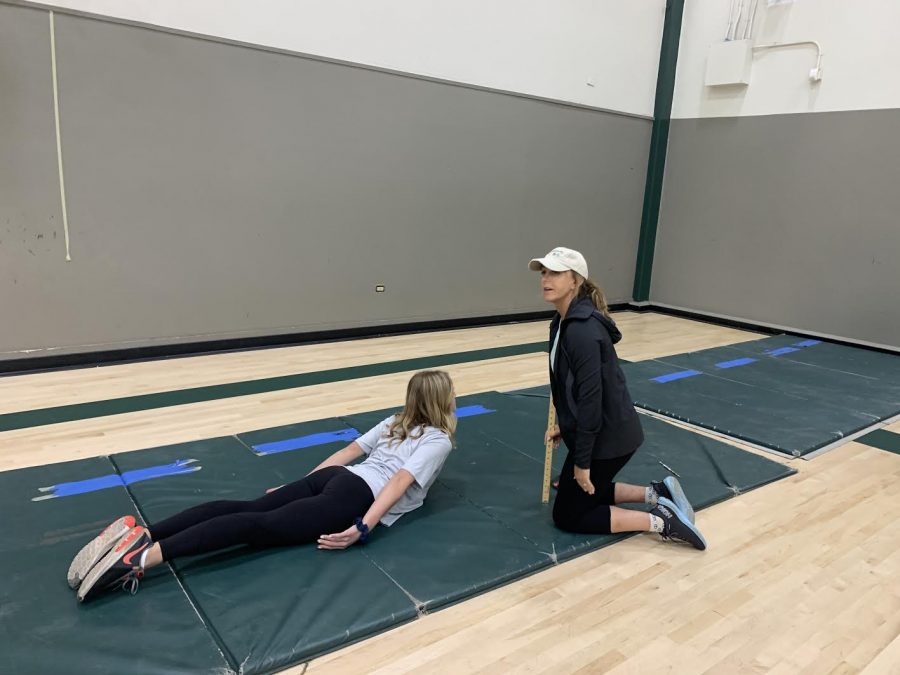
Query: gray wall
{"type": "Point", "coordinates": [791, 220]}
{"type": "Point", "coordinates": [216, 190]}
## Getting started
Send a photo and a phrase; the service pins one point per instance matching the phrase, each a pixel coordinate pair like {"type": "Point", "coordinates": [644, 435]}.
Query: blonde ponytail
{"type": "Point", "coordinates": [592, 291]}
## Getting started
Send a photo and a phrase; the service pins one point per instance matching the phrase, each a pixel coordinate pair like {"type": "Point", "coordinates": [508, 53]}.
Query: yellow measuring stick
{"type": "Point", "coordinates": [548, 454]}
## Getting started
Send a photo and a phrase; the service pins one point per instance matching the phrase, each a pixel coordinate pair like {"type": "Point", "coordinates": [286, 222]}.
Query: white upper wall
{"type": "Point", "coordinates": [858, 40]}
{"type": "Point", "coordinates": [600, 53]}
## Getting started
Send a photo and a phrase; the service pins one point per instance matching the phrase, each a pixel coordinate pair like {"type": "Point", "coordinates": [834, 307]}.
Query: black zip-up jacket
{"type": "Point", "coordinates": [594, 410]}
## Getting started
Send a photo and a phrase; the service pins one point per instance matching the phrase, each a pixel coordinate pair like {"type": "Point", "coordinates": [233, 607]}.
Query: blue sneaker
{"type": "Point", "coordinates": [670, 488]}
{"type": "Point", "coordinates": [676, 525]}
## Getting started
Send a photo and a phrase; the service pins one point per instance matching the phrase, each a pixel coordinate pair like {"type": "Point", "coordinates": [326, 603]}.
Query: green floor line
{"type": "Point", "coordinates": [117, 406]}
{"type": "Point", "coordinates": [882, 439]}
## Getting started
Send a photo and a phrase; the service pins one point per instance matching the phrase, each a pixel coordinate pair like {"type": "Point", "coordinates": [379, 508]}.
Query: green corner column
{"type": "Point", "coordinates": [656, 163]}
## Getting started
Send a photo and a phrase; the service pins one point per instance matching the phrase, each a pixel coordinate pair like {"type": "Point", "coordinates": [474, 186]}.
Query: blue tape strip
{"type": "Point", "coordinates": [807, 343]}
{"type": "Point", "coordinates": [90, 485]}
{"type": "Point", "coordinates": [471, 410]}
{"type": "Point", "coordinates": [735, 363]}
{"type": "Point", "coordinates": [179, 467]}
{"type": "Point", "coordinates": [782, 350]}
{"type": "Point", "coordinates": [340, 436]}
{"type": "Point", "coordinates": [680, 375]}
{"type": "Point", "coordinates": [344, 435]}
{"type": "Point", "coordinates": [114, 480]}
{"type": "Point", "coordinates": [183, 466]}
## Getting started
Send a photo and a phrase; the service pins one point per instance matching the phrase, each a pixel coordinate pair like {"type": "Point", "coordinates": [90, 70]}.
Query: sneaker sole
{"type": "Point", "coordinates": [678, 496]}
{"type": "Point", "coordinates": [110, 559]}
{"type": "Point", "coordinates": [687, 523]}
{"type": "Point", "coordinates": [98, 547]}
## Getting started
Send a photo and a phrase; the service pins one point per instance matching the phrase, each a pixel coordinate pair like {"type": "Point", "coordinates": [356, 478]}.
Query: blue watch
{"type": "Point", "coordinates": [363, 530]}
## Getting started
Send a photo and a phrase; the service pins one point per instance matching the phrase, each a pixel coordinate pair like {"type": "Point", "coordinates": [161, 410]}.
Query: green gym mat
{"type": "Point", "coordinates": [883, 440]}
{"type": "Point", "coordinates": [275, 607]}
{"type": "Point", "coordinates": [498, 468]}
{"type": "Point", "coordinates": [43, 628]}
{"type": "Point", "coordinates": [710, 471]}
{"type": "Point", "coordinates": [489, 554]}
{"type": "Point", "coordinates": [783, 393]}
{"type": "Point", "coordinates": [481, 526]}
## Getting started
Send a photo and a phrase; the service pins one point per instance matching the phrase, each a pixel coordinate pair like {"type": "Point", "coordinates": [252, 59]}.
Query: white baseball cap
{"type": "Point", "coordinates": [561, 259]}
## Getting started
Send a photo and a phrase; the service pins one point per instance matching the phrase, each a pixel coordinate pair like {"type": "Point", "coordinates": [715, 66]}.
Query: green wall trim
{"type": "Point", "coordinates": [656, 162]}
{"type": "Point", "coordinates": [164, 399]}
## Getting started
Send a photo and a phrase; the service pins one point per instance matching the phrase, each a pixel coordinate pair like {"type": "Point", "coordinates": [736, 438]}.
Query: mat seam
{"type": "Point", "coordinates": [224, 651]}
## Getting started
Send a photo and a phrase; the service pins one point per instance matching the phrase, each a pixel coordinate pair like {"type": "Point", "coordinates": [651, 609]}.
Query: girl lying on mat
{"type": "Point", "coordinates": [405, 453]}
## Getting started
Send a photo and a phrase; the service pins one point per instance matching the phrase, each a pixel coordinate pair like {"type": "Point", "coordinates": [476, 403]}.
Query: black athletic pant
{"type": "Point", "coordinates": [324, 502]}
{"type": "Point", "coordinates": [574, 509]}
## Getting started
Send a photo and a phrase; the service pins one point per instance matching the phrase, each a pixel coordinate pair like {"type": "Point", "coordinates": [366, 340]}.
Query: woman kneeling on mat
{"type": "Point", "coordinates": [596, 416]}
{"type": "Point", "coordinates": [405, 453]}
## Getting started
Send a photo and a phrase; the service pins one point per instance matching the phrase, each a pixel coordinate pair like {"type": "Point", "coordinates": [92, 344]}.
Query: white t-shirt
{"type": "Point", "coordinates": [422, 454]}
{"type": "Point", "coordinates": [553, 350]}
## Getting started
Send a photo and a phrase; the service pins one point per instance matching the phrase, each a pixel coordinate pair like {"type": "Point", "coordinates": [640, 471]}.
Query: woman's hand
{"type": "Point", "coordinates": [553, 435]}
{"type": "Point", "coordinates": [274, 488]}
{"type": "Point", "coordinates": [340, 540]}
{"type": "Point", "coordinates": [583, 478]}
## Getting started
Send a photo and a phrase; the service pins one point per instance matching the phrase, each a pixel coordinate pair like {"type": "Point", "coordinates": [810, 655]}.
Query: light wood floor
{"type": "Point", "coordinates": [801, 576]}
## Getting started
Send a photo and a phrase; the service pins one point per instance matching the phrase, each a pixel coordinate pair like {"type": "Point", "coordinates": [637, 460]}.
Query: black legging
{"type": "Point", "coordinates": [574, 509]}
{"type": "Point", "coordinates": [324, 502]}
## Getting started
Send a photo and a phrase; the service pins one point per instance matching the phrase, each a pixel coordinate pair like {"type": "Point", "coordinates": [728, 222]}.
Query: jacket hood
{"type": "Point", "coordinates": [584, 309]}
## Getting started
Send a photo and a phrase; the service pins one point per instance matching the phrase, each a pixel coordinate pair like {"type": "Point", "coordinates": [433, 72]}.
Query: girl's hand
{"type": "Point", "coordinates": [583, 478]}
{"type": "Point", "coordinates": [553, 435]}
{"type": "Point", "coordinates": [340, 540]}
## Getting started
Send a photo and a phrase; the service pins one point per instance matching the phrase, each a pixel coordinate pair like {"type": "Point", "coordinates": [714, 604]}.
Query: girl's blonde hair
{"type": "Point", "coordinates": [589, 289]}
{"type": "Point", "coordinates": [429, 403]}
